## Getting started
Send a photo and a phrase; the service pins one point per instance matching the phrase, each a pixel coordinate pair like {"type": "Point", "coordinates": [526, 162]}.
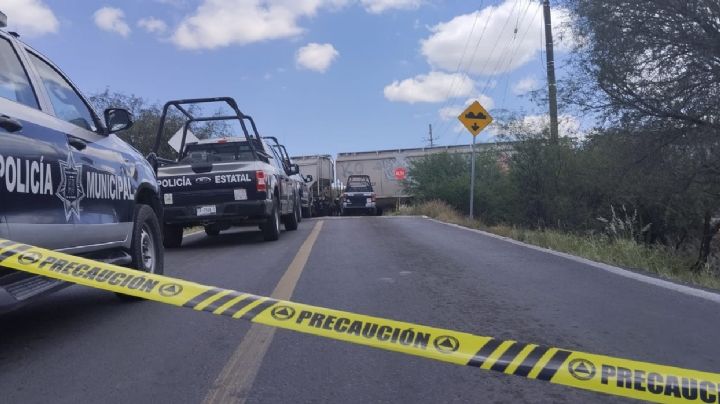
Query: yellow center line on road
{"type": "Point", "coordinates": [237, 377]}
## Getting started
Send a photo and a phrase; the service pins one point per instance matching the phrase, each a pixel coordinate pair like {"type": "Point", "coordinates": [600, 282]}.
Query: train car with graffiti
{"type": "Point", "coordinates": [389, 168]}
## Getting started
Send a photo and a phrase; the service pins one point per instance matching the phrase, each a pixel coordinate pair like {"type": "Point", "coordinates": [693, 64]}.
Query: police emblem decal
{"type": "Point", "coordinates": [71, 191]}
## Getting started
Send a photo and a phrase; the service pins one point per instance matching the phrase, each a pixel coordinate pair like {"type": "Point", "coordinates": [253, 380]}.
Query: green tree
{"type": "Point", "coordinates": [446, 177]}
{"type": "Point", "coordinates": [146, 117]}
{"type": "Point", "coordinates": [652, 67]}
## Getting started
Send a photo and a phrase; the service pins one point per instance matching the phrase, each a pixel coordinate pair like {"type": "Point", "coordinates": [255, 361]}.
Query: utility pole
{"type": "Point", "coordinates": [552, 86]}
{"type": "Point", "coordinates": [430, 136]}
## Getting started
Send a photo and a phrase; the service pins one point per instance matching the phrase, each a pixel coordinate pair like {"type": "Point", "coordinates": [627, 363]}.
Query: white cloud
{"type": "Point", "coordinates": [453, 111]}
{"type": "Point", "coordinates": [316, 57]}
{"type": "Point", "coordinates": [378, 6]}
{"type": "Point", "coordinates": [431, 87]}
{"type": "Point", "coordinates": [568, 125]}
{"type": "Point", "coordinates": [218, 23]}
{"type": "Point", "coordinates": [152, 25]}
{"type": "Point", "coordinates": [30, 17]}
{"type": "Point", "coordinates": [173, 3]}
{"type": "Point", "coordinates": [500, 49]}
{"type": "Point", "coordinates": [525, 85]}
{"type": "Point", "coordinates": [112, 20]}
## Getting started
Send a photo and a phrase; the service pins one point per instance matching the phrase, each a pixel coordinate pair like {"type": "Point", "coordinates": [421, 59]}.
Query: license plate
{"type": "Point", "coordinates": [206, 210]}
{"type": "Point", "coordinates": [240, 194]}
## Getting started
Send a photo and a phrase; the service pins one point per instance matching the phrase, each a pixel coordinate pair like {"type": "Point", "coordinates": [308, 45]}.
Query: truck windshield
{"type": "Point", "coordinates": [358, 186]}
{"type": "Point", "coordinates": [217, 152]}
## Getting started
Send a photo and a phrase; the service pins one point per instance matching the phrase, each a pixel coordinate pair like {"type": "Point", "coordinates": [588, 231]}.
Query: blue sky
{"type": "Point", "coordinates": [324, 76]}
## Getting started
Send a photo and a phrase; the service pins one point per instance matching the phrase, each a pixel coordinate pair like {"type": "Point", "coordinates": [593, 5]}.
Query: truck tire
{"type": "Point", "coordinates": [292, 220]}
{"type": "Point", "coordinates": [172, 236]}
{"type": "Point", "coordinates": [212, 231]}
{"type": "Point", "coordinates": [271, 228]}
{"type": "Point", "coordinates": [306, 212]}
{"type": "Point", "coordinates": [146, 248]}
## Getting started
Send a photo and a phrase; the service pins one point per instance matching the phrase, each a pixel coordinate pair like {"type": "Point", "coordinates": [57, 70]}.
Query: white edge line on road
{"type": "Point", "coordinates": [360, 217]}
{"type": "Point", "coordinates": [687, 290]}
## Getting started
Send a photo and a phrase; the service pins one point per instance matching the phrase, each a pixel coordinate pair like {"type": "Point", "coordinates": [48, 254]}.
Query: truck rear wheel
{"type": "Point", "coordinates": [307, 212]}
{"type": "Point", "coordinates": [271, 228]}
{"type": "Point", "coordinates": [172, 236]}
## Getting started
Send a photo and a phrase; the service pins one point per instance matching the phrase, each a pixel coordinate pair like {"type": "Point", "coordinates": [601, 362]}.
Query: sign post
{"type": "Point", "coordinates": [475, 118]}
{"type": "Point", "coordinates": [400, 173]}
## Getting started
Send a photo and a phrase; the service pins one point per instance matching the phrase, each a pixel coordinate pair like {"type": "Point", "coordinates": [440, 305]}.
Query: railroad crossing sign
{"type": "Point", "coordinates": [475, 118]}
{"type": "Point", "coordinates": [400, 173]}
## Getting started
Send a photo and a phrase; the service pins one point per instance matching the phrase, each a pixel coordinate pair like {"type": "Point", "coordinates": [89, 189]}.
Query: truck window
{"type": "Point", "coordinates": [217, 152]}
{"type": "Point", "coordinates": [67, 103]}
{"type": "Point", "coordinates": [279, 161]}
{"type": "Point", "coordinates": [358, 186]}
{"type": "Point", "coordinates": [14, 82]}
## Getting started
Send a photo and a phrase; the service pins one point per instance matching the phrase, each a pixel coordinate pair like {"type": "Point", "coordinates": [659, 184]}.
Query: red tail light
{"type": "Point", "coordinates": [261, 182]}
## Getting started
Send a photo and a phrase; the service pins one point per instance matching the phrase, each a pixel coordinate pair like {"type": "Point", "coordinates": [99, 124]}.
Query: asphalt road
{"type": "Point", "coordinates": [84, 345]}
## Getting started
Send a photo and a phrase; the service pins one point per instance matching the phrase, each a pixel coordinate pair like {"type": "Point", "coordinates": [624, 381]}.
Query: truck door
{"type": "Point", "coordinates": [32, 147]}
{"type": "Point", "coordinates": [286, 186]}
{"type": "Point", "coordinates": [97, 188]}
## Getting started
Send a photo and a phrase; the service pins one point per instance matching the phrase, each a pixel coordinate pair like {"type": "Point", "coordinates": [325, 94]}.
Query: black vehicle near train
{"type": "Point", "coordinates": [358, 197]}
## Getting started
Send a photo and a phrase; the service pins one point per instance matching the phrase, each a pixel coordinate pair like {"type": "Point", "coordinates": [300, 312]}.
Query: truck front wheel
{"type": "Point", "coordinates": [146, 250]}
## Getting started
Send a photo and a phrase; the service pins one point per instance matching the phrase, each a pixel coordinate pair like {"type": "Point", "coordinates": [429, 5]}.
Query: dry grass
{"type": "Point", "coordinates": [625, 253]}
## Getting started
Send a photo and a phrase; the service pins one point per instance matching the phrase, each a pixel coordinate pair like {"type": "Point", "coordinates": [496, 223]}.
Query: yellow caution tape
{"type": "Point", "coordinates": [605, 374]}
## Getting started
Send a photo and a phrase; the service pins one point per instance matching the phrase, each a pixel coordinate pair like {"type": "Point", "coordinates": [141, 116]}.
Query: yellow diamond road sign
{"type": "Point", "coordinates": [475, 118]}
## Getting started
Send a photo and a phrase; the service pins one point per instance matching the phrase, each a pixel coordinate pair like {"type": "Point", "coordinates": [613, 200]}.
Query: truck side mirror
{"type": "Point", "coordinates": [308, 178]}
{"type": "Point", "coordinates": [117, 119]}
{"type": "Point", "coordinates": [294, 169]}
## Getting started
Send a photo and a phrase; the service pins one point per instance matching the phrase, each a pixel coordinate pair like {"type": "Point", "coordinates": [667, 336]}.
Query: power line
{"type": "Point", "coordinates": [448, 94]}
{"type": "Point", "coordinates": [492, 51]}
{"type": "Point", "coordinates": [517, 47]}
{"type": "Point", "coordinates": [445, 124]}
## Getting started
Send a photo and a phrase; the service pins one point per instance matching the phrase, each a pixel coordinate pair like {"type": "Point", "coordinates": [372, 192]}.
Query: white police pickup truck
{"type": "Point", "coordinates": [222, 182]}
